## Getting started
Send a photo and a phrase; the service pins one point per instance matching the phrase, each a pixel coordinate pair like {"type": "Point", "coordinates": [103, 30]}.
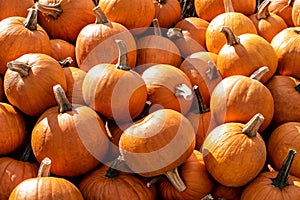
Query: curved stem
{"type": "Point", "coordinates": [258, 74]}
{"type": "Point", "coordinates": [230, 37]}
{"type": "Point", "coordinates": [44, 169]}
{"type": "Point", "coordinates": [66, 62]}
{"type": "Point", "coordinates": [53, 10]}
{"type": "Point", "coordinates": [174, 33]}
{"type": "Point", "coordinates": [202, 106]}
{"type": "Point", "coordinates": [253, 125]}
{"type": "Point", "coordinates": [281, 179]}
{"type": "Point", "coordinates": [263, 10]}
{"type": "Point", "coordinates": [31, 19]}
{"type": "Point", "coordinates": [182, 90]}
{"type": "Point", "coordinates": [228, 6]}
{"type": "Point", "coordinates": [212, 71]}
{"type": "Point", "coordinates": [175, 179]}
{"type": "Point", "coordinates": [100, 16]}
{"type": "Point", "coordinates": [156, 27]}
{"type": "Point", "coordinates": [20, 67]}
{"type": "Point", "coordinates": [63, 103]}
{"type": "Point", "coordinates": [112, 171]}
{"type": "Point", "coordinates": [123, 57]}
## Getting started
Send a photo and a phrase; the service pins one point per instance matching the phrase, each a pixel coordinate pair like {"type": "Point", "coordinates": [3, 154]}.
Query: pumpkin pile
{"type": "Point", "coordinates": [149, 99]}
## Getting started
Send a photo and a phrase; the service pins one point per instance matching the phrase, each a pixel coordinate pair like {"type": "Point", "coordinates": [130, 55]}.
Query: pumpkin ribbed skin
{"type": "Point", "coordinates": [295, 13]}
{"type": "Point", "coordinates": [283, 8]}
{"type": "Point", "coordinates": [61, 49]}
{"type": "Point", "coordinates": [168, 12]}
{"type": "Point", "coordinates": [14, 8]}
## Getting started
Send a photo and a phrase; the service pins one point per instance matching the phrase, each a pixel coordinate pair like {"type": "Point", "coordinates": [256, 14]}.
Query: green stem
{"type": "Point", "coordinates": [281, 179]}
{"type": "Point", "coordinates": [123, 57]}
{"type": "Point", "coordinates": [20, 67]}
{"type": "Point", "coordinates": [53, 10]}
{"type": "Point", "coordinates": [31, 19]}
{"type": "Point", "coordinates": [251, 127]}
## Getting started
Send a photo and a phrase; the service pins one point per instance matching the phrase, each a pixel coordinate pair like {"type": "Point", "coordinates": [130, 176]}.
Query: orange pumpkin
{"type": "Point", "coordinates": [168, 12]}
{"type": "Point", "coordinates": [33, 75]}
{"type": "Point", "coordinates": [229, 193]}
{"type": "Point", "coordinates": [100, 35]}
{"type": "Point", "coordinates": [61, 49]}
{"type": "Point", "coordinates": [235, 153]}
{"type": "Point", "coordinates": [295, 13]}
{"type": "Point", "coordinates": [283, 8]}
{"type": "Point", "coordinates": [73, 136]}
{"type": "Point", "coordinates": [2, 95]}
{"type": "Point", "coordinates": [63, 19]}
{"type": "Point", "coordinates": [15, 8]}
{"type": "Point", "coordinates": [19, 35]}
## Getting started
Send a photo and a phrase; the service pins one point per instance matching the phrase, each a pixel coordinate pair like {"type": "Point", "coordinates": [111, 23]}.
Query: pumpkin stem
{"type": "Point", "coordinates": [156, 27]}
{"type": "Point", "coordinates": [27, 153]}
{"type": "Point", "coordinates": [259, 73]}
{"type": "Point", "coordinates": [291, 3]}
{"type": "Point", "coordinates": [228, 6]}
{"type": "Point", "coordinates": [263, 10]}
{"type": "Point", "coordinates": [174, 33]}
{"type": "Point", "coordinates": [202, 106]}
{"type": "Point", "coordinates": [54, 10]}
{"type": "Point", "coordinates": [66, 62]}
{"type": "Point", "coordinates": [100, 16]}
{"type": "Point", "coordinates": [112, 171]}
{"type": "Point", "coordinates": [297, 87]}
{"type": "Point", "coordinates": [153, 181]}
{"type": "Point", "coordinates": [182, 90]}
{"type": "Point", "coordinates": [63, 103]}
{"type": "Point", "coordinates": [281, 179]}
{"type": "Point", "coordinates": [297, 31]}
{"type": "Point", "coordinates": [31, 19]}
{"type": "Point", "coordinates": [212, 71]}
{"type": "Point", "coordinates": [20, 67]}
{"type": "Point", "coordinates": [123, 57]}
{"type": "Point", "coordinates": [44, 169]}
{"type": "Point", "coordinates": [230, 37]}
{"type": "Point", "coordinates": [253, 125]}
{"type": "Point", "coordinates": [175, 179]}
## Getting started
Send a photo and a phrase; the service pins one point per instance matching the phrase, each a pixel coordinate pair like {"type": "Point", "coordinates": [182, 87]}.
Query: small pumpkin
{"type": "Point", "coordinates": [14, 8]}
{"type": "Point", "coordinates": [194, 174]}
{"type": "Point", "coordinates": [276, 185]}
{"type": "Point", "coordinates": [19, 35]}
{"type": "Point", "coordinates": [63, 19]}
{"type": "Point", "coordinates": [12, 128]}
{"type": "Point", "coordinates": [114, 90]}
{"type": "Point", "coordinates": [45, 186]}
{"type": "Point", "coordinates": [283, 8]}
{"type": "Point", "coordinates": [73, 136]}
{"type": "Point", "coordinates": [61, 49]}
{"type": "Point", "coordinates": [168, 12]}
{"type": "Point", "coordinates": [235, 153]}
{"type": "Point", "coordinates": [29, 80]}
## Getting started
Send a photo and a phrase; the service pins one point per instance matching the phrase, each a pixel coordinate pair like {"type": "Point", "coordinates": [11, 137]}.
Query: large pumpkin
{"type": "Point", "coordinates": [169, 139]}
{"type": "Point", "coordinates": [244, 54]}
{"type": "Point", "coordinates": [73, 136]}
{"type": "Point", "coordinates": [63, 19]}
{"type": "Point", "coordinates": [19, 35]}
{"type": "Point", "coordinates": [95, 43]}
{"type": "Point", "coordinates": [114, 90]}
{"type": "Point", "coordinates": [235, 153]}
{"type": "Point", "coordinates": [29, 80]}
{"type": "Point", "coordinates": [12, 128]}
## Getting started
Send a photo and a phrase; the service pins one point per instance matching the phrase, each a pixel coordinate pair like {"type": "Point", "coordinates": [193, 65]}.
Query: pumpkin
{"type": "Point", "coordinates": [209, 9]}
{"type": "Point", "coordinates": [14, 8]}
{"type": "Point", "coordinates": [189, 35]}
{"type": "Point", "coordinates": [168, 12]}
{"type": "Point", "coordinates": [244, 54]}
{"type": "Point", "coordinates": [295, 13]}
{"type": "Point", "coordinates": [283, 8]}
{"type": "Point", "coordinates": [285, 92]}
{"type": "Point", "coordinates": [202, 71]}
{"type": "Point", "coordinates": [19, 35]}
{"type": "Point", "coordinates": [235, 153]}
{"type": "Point", "coordinates": [109, 182]}
{"type": "Point", "coordinates": [61, 49]}
{"type": "Point", "coordinates": [29, 80]}
{"type": "Point", "coordinates": [2, 95]}
{"type": "Point", "coordinates": [275, 185]}
{"type": "Point", "coordinates": [73, 136]}
{"type": "Point", "coordinates": [194, 175]}
{"type": "Point", "coordinates": [229, 193]}
{"type": "Point", "coordinates": [238, 98]}
{"type": "Point", "coordinates": [156, 49]}
{"type": "Point", "coordinates": [283, 138]}
{"type": "Point", "coordinates": [63, 19]}
{"type": "Point", "coordinates": [170, 140]}
{"type": "Point", "coordinates": [267, 24]}
{"type": "Point", "coordinates": [14, 171]}
{"type": "Point", "coordinates": [74, 78]}
{"type": "Point", "coordinates": [12, 128]}
{"type": "Point", "coordinates": [168, 87]}
{"type": "Point", "coordinates": [114, 90]}
{"type": "Point", "coordinates": [236, 21]}
{"type": "Point", "coordinates": [135, 15]}
{"type": "Point", "coordinates": [45, 186]}
{"type": "Point", "coordinates": [94, 38]}
{"type": "Point", "coordinates": [286, 45]}
{"type": "Point", "coordinates": [201, 119]}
